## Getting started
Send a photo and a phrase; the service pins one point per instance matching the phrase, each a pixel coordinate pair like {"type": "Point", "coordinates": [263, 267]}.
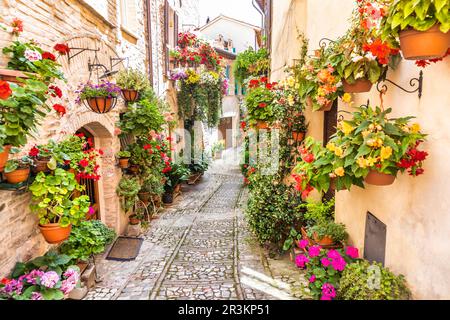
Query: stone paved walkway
{"type": "Point", "coordinates": [200, 248]}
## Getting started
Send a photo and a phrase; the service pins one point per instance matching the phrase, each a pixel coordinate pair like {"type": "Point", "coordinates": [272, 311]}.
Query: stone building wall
{"type": "Point", "coordinates": [76, 23]}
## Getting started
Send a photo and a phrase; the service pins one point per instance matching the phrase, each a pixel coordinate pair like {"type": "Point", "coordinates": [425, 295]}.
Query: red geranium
{"type": "Point", "coordinates": [60, 109]}
{"type": "Point", "coordinates": [34, 152]}
{"type": "Point", "coordinates": [17, 26]}
{"type": "Point", "coordinates": [308, 158]}
{"type": "Point", "coordinates": [55, 91]}
{"type": "Point", "coordinates": [263, 105]}
{"type": "Point", "coordinates": [48, 55]}
{"type": "Point", "coordinates": [5, 90]}
{"type": "Point", "coordinates": [84, 163]}
{"type": "Point", "coordinates": [62, 48]}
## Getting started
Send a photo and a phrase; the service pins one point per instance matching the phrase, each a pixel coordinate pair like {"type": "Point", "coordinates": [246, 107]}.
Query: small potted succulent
{"type": "Point", "coordinates": [421, 25]}
{"type": "Point", "coordinates": [132, 81]}
{"type": "Point", "coordinates": [18, 170]}
{"type": "Point", "coordinates": [124, 158]}
{"type": "Point", "coordinates": [55, 203]}
{"type": "Point", "coordinates": [100, 98]}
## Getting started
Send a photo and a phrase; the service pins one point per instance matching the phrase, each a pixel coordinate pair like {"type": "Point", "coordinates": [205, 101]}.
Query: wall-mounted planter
{"type": "Point", "coordinates": [53, 233]}
{"type": "Point", "coordinates": [40, 165]}
{"type": "Point", "coordinates": [424, 45]}
{"type": "Point", "coordinates": [101, 104]}
{"type": "Point", "coordinates": [124, 163]}
{"type": "Point", "coordinates": [4, 157]}
{"type": "Point", "coordinates": [360, 85]}
{"type": "Point", "coordinates": [379, 179]}
{"type": "Point", "coordinates": [326, 107]}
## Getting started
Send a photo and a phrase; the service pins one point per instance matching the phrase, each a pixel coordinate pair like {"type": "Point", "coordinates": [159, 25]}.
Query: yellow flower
{"type": "Point", "coordinates": [215, 75]}
{"type": "Point", "coordinates": [339, 172]}
{"type": "Point", "coordinates": [370, 161]}
{"type": "Point", "coordinates": [362, 163]}
{"type": "Point", "coordinates": [346, 128]}
{"type": "Point", "coordinates": [291, 100]}
{"type": "Point", "coordinates": [338, 151]}
{"type": "Point", "coordinates": [331, 146]}
{"type": "Point", "coordinates": [385, 153]}
{"type": "Point", "coordinates": [415, 128]}
{"type": "Point", "coordinates": [365, 133]}
{"type": "Point", "coordinates": [347, 98]}
{"type": "Point", "coordinates": [290, 81]}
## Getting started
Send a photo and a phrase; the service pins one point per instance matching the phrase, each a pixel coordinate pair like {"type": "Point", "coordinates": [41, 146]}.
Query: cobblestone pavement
{"type": "Point", "coordinates": [199, 248]}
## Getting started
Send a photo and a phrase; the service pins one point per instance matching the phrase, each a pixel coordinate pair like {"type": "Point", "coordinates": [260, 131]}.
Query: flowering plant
{"type": "Point", "coordinates": [187, 39]}
{"type": "Point", "coordinates": [324, 268]}
{"type": "Point", "coordinates": [261, 101]}
{"type": "Point", "coordinates": [53, 199]}
{"type": "Point", "coordinates": [178, 74]}
{"type": "Point", "coordinates": [104, 89]}
{"type": "Point", "coordinates": [420, 15]}
{"type": "Point", "coordinates": [40, 285]}
{"type": "Point", "coordinates": [361, 54]}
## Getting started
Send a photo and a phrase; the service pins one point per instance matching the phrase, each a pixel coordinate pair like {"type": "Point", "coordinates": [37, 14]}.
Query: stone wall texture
{"type": "Point", "coordinates": [80, 25]}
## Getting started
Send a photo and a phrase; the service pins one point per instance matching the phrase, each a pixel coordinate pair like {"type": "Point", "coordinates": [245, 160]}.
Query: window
{"type": "Point", "coordinates": [101, 6]}
{"type": "Point", "coordinates": [128, 14]}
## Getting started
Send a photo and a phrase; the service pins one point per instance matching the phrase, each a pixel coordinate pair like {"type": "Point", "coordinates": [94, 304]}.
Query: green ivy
{"type": "Point", "coordinates": [251, 63]}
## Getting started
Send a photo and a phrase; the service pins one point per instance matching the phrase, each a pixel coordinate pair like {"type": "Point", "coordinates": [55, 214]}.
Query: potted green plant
{"type": "Point", "coordinates": [299, 127]}
{"type": "Point", "coordinates": [142, 117]}
{"type": "Point", "coordinates": [327, 233]}
{"type": "Point", "coordinates": [100, 98]}
{"type": "Point", "coordinates": [178, 174]}
{"type": "Point", "coordinates": [124, 158]}
{"type": "Point", "coordinates": [217, 149]}
{"type": "Point", "coordinates": [421, 25]}
{"type": "Point", "coordinates": [132, 81]}
{"type": "Point", "coordinates": [128, 190]}
{"type": "Point", "coordinates": [152, 187]}
{"type": "Point", "coordinates": [54, 202]}
{"type": "Point", "coordinates": [251, 63]}
{"type": "Point", "coordinates": [18, 170]}
{"type": "Point", "coordinates": [42, 155]}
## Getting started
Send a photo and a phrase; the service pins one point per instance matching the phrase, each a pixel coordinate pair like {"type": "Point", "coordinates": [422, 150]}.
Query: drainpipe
{"type": "Point", "coordinates": [262, 18]}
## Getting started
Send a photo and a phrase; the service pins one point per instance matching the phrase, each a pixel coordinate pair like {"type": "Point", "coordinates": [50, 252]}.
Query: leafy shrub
{"type": "Point", "coordinates": [128, 189]}
{"type": "Point", "coordinates": [317, 211]}
{"type": "Point", "coordinates": [89, 238]}
{"type": "Point", "coordinates": [335, 231]}
{"type": "Point", "coordinates": [132, 79]}
{"type": "Point", "coordinates": [371, 281]}
{"type": "Point", "coordinates": [141, 118]}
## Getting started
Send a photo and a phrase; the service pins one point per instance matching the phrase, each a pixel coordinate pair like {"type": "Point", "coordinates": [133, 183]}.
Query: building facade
{"type": "Point", "coordinates": [414, 213]}
{"type": "Point", "coordinates": [117, 34]}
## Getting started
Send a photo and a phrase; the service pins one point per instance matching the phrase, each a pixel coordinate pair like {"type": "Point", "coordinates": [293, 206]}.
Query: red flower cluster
{"type": "Point", "coordinates": [412, 161]}
{"type": "Point", "coordinates": [55, 91]}
{"type": "Point", "coordinates": [381, 50]}
{"type": "Point", "coordinates": [425, 63]}
{"type": "Point", "coordinates": [62, 48]}
{"type": "Point", "coordinates": [263, 81]}
{"type": "Point", "coordinates": [298, 186]}
{"type": "Point", "coordinates": [48, 55]}
{"type": "Point", "coordinates": [5, 90]}
{"type": "Point", "coordinates": [17, 26]}
{"type": "Point", "coordinates": [186, 38]}
{"type": "Point", "coordinates": [60, 109]}
{"type": "Point", "coordinates": [306, 155]}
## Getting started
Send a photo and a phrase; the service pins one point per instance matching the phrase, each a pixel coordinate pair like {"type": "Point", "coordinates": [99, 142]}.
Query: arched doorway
{"type": "Point", "coordinates": [91, 187]}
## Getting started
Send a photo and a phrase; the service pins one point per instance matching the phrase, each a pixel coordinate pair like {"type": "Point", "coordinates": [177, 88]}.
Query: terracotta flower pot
{"type": "Point", "coordinates": [262, 125]}
{"type": "Point", "coordinates": [424, 45]}
{"type": "Point", "coordinates": [325, 241]}
{"type": "Point", "coordinates": [379, 179]}
{"type": "Point", "coordinates": [40, 165]}
{"type": "Point", "coordinates": [134, 220]}
{"type": "Point", "coordinates": [101, 104]}
{"type": "Point", "coordinates": [130, 95]}
{"type": "Point", "coordinates": [17, 176]}
{"type": "Point", "coordinates": [360, 85]}
{"type": "Point", "coordinates": [54, 233]}
{"type": "Point", "coordinates": [123, 163]}
{"type": "Point", "coordinates": [12, 76]}
{"type": "Point", "coordinates": [298, 136]}
{"type": "Point", "coordinates": [4, 157]}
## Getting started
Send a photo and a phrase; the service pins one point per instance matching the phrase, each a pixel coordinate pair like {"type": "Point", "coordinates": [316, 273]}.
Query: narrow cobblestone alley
{"type": "Point", "coordinates": [199, 248]}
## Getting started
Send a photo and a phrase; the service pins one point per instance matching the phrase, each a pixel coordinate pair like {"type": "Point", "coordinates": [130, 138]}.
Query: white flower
{"type": "Point", "coordinates": [370, 56]}
{"type": "Point", "coordinates": [356, 58]}
{"type": "Point", "coordinates": [359, 75]}
{"type": "Point", "coordinates": [32, 55]}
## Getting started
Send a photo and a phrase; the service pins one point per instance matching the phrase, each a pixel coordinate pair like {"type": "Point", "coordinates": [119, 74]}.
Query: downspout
{"type": "Point", "coordinates": [262, 18]}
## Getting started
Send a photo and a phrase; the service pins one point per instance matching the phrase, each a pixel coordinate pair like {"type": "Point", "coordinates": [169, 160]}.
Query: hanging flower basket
{"type": "Point", "coordinates": [101, 104]}
{"type": "Point", "coordinates": [424, 45]}
{"type": "Point", "coordinates": [4, 157]}
{"type": "Point", "coordinates": [53, 233]}
{"type": "Point", "coordinates": [360, 85]}
{"type": "Point", "coordinates": [379, 179]}
{"type": "Point", "coordinates": [130, 95]}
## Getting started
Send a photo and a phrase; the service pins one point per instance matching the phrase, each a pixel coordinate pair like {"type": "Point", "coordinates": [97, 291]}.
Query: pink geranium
{"type": "Point", "coordinates": [303, 243]}
{"type": "Point", "coordinates": [301, 260]}
{"type": "Point", "coordinates": [314, 251]}
{"type": "Point", "coordinates": [352, 252]}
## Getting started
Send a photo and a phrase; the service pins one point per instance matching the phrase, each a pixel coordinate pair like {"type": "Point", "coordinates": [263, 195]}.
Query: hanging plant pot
{"type": "Point", "coordinates": [17, 176]}
{"type": "Point", "coordinates": [167, 198]}
{"type": "Point", "coordinates": [101, 104]}
{"type": "Point", "coordinates": [424, 45]}
{"type": "Point", "coordinates": [360, 85]}
{"type": "Point", "coordinates": [379, 179]}
{"type": "Point", "coordinates": [130, 95]}
{"type": "Point", "coordinates": [262, 125]}
{"type": "Point", "coordinates": [4, 157]}
{"type": "Point", "coordinates": [54, 233]}
{"type": "Point", "coordinates": [124, 163]}
{"type": "Point", "coordinates": [40, 165]}
{"type": "Point", "coordinates": [298, 136]}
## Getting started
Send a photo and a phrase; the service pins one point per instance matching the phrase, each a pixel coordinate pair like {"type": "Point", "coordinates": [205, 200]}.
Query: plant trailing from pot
{"type": "Point", "coordinates": [421, 25]}
{"type": "Point", "coordinates": [327, 233]}
{"type": "Point", "coordinates": [87, 239]}
{"type": "Point", "coordinates": [360, 57]}
{"type": "Point", "coordinates": [141, 118]}
{"type": "Point", "coordinates": [251, 63]}
{"type": "Point", "coordinates": [128, 190]}
{"type": "Point", "coordinates": [132, 81]}
{"type": "Point", "coordinates": [124, 157]}
{"type": "Point", "coordinates": [100, 98]}
{"type": "Point", "coordinates": [356, 278]}
{"type": "Point", "coordinates": [54, 202]}
{"type": "Point", "coordinates": [18, 170]}
{"type": "Point", "coordinates": [324, 269]}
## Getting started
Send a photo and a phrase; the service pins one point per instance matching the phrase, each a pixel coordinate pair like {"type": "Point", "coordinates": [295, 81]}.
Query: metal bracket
{"type": "Point", "coordinates": [115, 61]}
{"type": "Point", "coordinates": [79, 50]}
{"type": "Point", "coordinates": [382, 88]}
{"type": "Point", "coordinates": [323, 43]}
